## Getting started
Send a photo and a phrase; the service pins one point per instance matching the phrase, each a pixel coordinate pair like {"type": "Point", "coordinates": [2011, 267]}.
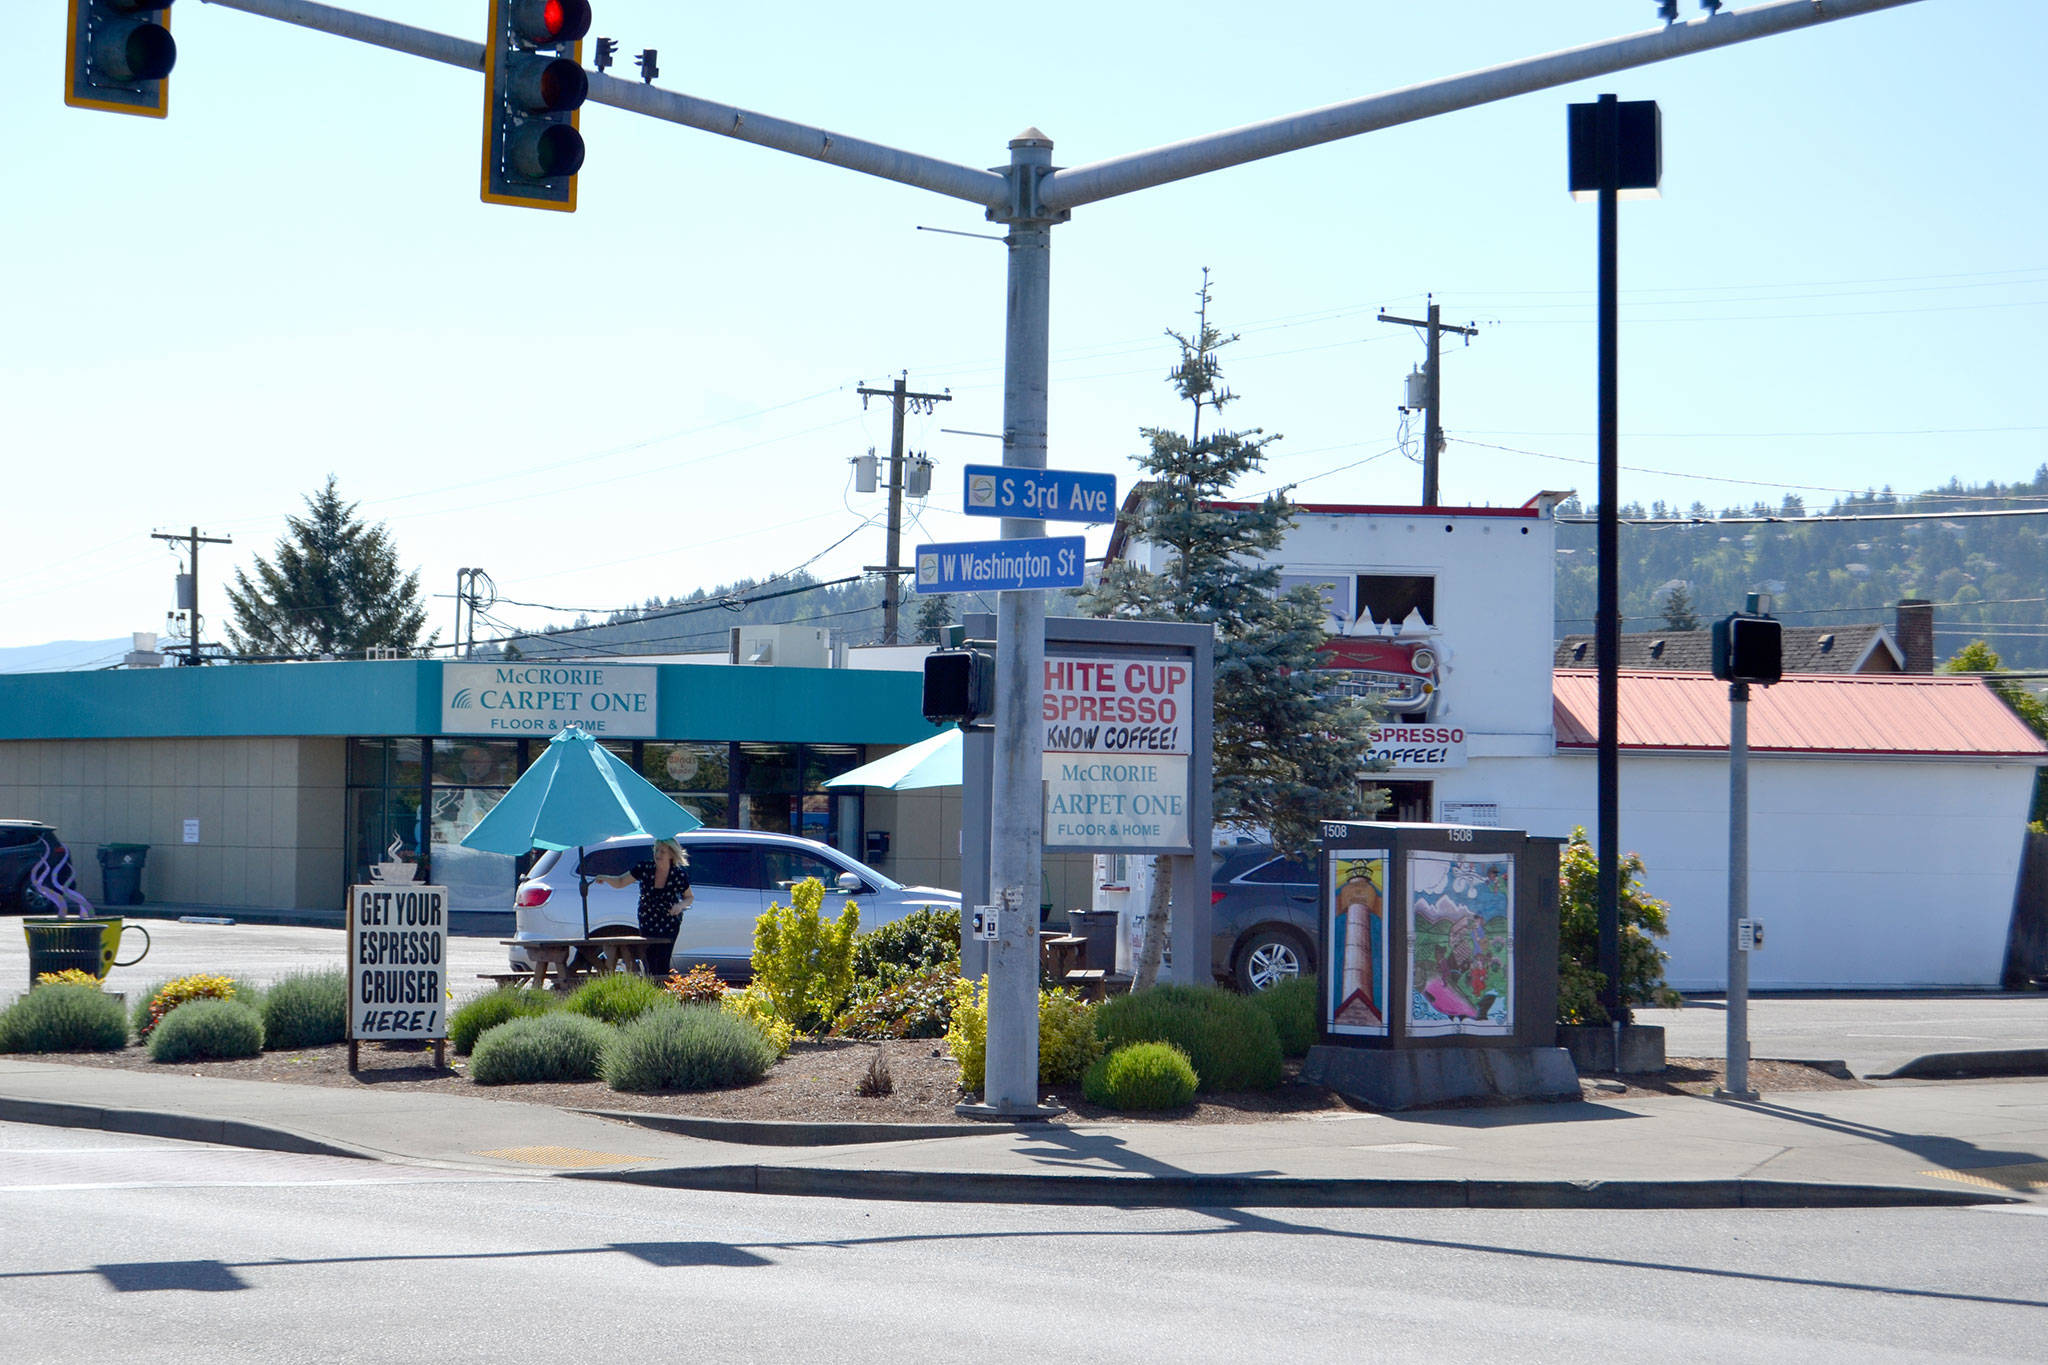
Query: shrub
{"type": "Point", "coordinates": [492, 1008]}
{"type": "Point", "coordinates": [70, 976]}
{"type": "Point", "coordinates": [1066, 1034]}
{"type": "Point", "coordinates": [687, 1047]}
{"type": "Point", "coordinates": [309, 1009]}
{"type": "Point", "coordinates": [754, 1006]}
{"type": "Point", "coordinates": [1579, 978]}
{"type": "Point", "coordinates": [1141, 1076]}
{"type": "Point", "coordinates": [919, 1006]}
{"type": "Point", "coordinates": [557, 1046]}
{"type": "Point", "coordinates": [1067, 1044]}
{"type": "Point", "coordinates": [615, 997]}
{"type": "Point", "coordinates": [151, 1008]}
{"type": "Point", "coordinates": [64, 1018]}
{"type": "Point", "coordinates": [919, 943]}
{"type": "Point", "coordinates": [1292, 1007]}
{"type": "Point", "coordinates": [805, 964]}
{"type": "Point", "coordinates": [701, 986]}
{"type": "Point", "coordinates": [1230, 1041]}
{"type": "Point", "coordinates": [206, 1030]}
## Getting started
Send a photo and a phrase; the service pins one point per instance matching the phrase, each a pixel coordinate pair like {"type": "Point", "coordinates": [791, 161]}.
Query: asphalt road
{"type": "Point", "coordinates": [122, 1248]}
{"type": "Point", "coordinates": [253, 952]}
{"type": "Point", "coordinates": [1874, 1034]}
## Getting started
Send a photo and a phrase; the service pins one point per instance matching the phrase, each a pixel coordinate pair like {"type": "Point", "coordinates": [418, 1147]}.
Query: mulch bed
{"type": "Point", "coordinates": [816, 1083]}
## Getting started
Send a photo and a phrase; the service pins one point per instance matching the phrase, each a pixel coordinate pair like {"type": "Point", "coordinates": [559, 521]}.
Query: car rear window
{"type": "Point", "coordinates": [1285, 871]}
{"type": "Point", "coordinates": [17, 836]}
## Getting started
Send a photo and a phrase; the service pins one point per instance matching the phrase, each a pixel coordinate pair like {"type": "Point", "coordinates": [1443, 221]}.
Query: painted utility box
{"type": "Point", "coordinates": [1438, 935]}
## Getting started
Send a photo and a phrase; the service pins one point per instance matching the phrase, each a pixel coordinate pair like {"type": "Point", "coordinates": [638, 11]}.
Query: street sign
{"type": "Point", "coordinates": [1001, 565]}
{"type": "Point", "coordinates": [1040, 494]}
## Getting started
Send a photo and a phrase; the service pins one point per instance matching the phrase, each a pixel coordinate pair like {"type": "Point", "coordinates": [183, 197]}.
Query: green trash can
{"type": "Point", "coordinates": [121, 873]}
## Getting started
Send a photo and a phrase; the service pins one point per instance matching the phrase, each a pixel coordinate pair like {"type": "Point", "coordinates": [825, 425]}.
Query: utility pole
{"type": "Point", "coordinates": [1432, 401]}
{"type": "Point", "coordinates": [188, 582]}
{"type": "Point", "coordinates": [470, 586]}
{"type": "Point", "coordinates": [900, 398]}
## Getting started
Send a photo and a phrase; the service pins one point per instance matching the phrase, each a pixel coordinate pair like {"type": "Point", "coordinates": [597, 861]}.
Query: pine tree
{"type": "Point", "coordinates": [1678, 612]}
{"type": "Point", "coordinates": [934, 614]}
{"type": "Point", "coordinates": [1286, 756]}
{"type": "Point", "coordinates": [333, 587]}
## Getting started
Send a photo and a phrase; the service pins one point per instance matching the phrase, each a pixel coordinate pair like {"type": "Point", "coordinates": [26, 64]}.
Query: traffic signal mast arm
{"type": "Point", "coordinates": [1059, 190]}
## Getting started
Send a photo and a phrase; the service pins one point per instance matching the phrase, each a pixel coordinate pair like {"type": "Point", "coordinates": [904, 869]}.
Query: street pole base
{"type": "Point", "coordinates": [1004, 1113]}
{"type": "Point", "coordinates": [1722, 1093]}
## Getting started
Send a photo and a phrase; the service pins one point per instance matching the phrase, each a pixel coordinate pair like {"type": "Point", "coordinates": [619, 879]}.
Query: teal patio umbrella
{"type": "Point", "coordinates": [576, 793]}
{"type": "Point", "coordinates": [933, 762]}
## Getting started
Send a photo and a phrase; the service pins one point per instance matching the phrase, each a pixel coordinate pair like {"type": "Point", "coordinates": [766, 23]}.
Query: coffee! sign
{"type": "Point", "coordinates": [612, 701]}
{"type": "Point", "coordinates": [1117, 734]}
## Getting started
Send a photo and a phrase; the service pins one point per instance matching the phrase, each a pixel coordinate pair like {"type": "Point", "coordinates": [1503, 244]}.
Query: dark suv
{"type": "Point", "coordinates": [22, 844]}
{"type": "Point", "coordinates": [1264, 910]}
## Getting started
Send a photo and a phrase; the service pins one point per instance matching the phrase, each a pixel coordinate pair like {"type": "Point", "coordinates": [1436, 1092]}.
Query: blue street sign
{"type": "Point", "coordinates": [1040, 494]}
{"type": "Point", "coordinates": [1001, 565]}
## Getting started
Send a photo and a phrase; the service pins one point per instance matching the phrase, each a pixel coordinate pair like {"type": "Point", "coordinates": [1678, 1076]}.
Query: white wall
{"type": "Point", "coordinates": [1868, 873]}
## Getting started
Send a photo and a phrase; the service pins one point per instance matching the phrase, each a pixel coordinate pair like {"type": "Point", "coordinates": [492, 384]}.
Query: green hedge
{"type": "Point", "coordinates": [687, 1047]}
{"type": "Point", "coordinates": [542, 1048]}
{"type": "Point", "coordinates": [207, 1031]}
{"type": "Point", "coordinates": [615, 997]}
{"type": "Point", "coordinates": [309, 1009]}
{"type": "Point", "coordinates": [1292, 1007]}
{"type": "Point", "coordinates": [478, 1016]}
{"type": "Point", "coordinates": [1230, 1041]}
{"type": "Point", "coordinates": [64, 1019]}
{"type": "Point", "coordinates": [1141, 1076]}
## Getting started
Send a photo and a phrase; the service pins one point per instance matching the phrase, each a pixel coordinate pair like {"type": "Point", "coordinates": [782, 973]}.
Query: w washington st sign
{"type": "Point", "coordinates": [611, 701]}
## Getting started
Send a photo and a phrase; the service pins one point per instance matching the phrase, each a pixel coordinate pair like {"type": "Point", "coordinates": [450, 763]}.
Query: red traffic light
{"type": "Point", "coordinates": [543, 23]}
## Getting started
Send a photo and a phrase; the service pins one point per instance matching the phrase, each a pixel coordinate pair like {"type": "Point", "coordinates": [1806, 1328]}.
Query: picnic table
{"type": "Point", "coordinates": [572, 959]}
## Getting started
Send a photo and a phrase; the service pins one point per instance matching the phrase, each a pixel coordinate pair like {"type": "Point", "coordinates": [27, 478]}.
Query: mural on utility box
{"type": "Point", "coordinates": [1358, 942]}
{"type": "Point", "coordinates": [1461, 952]}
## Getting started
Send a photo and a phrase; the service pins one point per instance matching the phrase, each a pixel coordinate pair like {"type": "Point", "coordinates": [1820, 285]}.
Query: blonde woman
{"type": "Point", "coordinates": [664, 895]}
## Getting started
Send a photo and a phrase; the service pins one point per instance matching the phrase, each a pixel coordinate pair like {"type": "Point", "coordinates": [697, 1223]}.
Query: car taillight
{"type": "Point", "coordinates": [531, 895]}
{"type": "Point", "coordinates": [1215, 897]}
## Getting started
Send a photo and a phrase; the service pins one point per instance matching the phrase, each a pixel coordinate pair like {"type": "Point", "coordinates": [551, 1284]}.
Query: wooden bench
{"type": "Point", "coordinates": [1095, 984]}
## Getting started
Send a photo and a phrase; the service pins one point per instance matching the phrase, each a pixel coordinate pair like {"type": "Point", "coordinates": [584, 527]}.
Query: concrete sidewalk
{"type": "Point", "coordinates": [1900, 1143]}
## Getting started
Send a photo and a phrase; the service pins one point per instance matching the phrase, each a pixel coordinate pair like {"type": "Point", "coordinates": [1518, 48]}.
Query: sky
{"type": "Point", "coordinates": [1843, 286]}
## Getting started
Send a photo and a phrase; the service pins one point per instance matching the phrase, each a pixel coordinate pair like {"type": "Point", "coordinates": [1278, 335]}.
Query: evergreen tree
{"type": "Point", "coordinates": [1678, 612]}
{"type": "Point", "coordinates": [1286, 756]}
{"type": "Point", "coordinates": [934, 614]}
{"type": "Point", "coordinates": [333, 587]}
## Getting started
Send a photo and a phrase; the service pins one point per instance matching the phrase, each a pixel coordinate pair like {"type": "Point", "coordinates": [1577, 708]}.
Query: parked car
{"type": "Point", "coordinates": [736, 874]}
{"type": "Point", "coordinates": [1264, 916]}
{"type": "Point", "coordinates": [23, 843]}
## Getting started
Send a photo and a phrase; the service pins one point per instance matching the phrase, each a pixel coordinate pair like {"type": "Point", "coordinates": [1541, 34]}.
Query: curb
{"type": "Point", "coordinates": [789, 1133]}
{"type": "Point", "coordinates": [1949, 1065]}
{"type": "Point", "coordinates": [1245, 1191]}
{"type": "Point", "coordinates": [181, 1127]}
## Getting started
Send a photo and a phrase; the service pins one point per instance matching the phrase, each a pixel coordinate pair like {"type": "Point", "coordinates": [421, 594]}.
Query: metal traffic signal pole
{"type": "Point", "coordinates": [1029, 197]}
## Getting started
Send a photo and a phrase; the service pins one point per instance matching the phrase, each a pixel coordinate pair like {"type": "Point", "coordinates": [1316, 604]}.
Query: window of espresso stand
{"type": "Point", "coordinates": [412, 800]}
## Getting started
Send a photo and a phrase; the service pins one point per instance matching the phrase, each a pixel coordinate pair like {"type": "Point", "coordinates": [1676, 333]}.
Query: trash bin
{"type": "Point", "coordinates": [1099, 928]}
{"type": "Point", "coordinates": [121, 873]}
{"type": "Point", "coordinates": [63, 945]}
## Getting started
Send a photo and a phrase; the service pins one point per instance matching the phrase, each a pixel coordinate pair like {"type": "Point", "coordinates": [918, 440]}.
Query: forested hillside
{"type": "Point", "coordinates": [1988, 576]}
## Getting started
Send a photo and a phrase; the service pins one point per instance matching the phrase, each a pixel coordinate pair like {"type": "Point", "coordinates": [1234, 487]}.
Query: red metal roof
{"type": "Point", "coordinates": [1850, 714]}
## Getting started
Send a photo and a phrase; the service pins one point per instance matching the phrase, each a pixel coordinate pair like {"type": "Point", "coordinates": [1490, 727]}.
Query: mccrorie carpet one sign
{"type": "Point", "coordinates": [612, 701]}
{"type": "Point", "coordinates": [1118, 732]}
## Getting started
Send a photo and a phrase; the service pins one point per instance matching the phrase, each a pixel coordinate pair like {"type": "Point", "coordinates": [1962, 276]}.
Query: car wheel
{"type": "Point", "coordinates": [1269, 957]}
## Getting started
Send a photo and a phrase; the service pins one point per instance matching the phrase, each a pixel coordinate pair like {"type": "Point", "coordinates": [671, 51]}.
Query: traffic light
{"type": "Point", "coordinates": [1748, 649]}
{"type": "Point", "coordinates": [959, 685]}
{"type": "Point", "coordinates": [534, 83]}
{"type": "Point", "coordinates": [117, 55]}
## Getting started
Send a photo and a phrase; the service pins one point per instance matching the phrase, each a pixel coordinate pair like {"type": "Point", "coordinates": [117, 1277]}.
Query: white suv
{"type": "Point", "coordinates": [735, 873]}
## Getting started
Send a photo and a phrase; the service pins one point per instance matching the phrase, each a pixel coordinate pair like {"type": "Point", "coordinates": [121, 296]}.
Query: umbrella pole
{"type": "Point", "coordinates": [583, 885]}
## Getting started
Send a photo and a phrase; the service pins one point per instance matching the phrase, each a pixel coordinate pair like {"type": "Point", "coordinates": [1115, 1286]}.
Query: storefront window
{"type": "Point", "coordinates": [686, 767]}
{"type": "Point", "coordinates": [384, 800]}
{"type": "Point", "coordinates": [470, 777]}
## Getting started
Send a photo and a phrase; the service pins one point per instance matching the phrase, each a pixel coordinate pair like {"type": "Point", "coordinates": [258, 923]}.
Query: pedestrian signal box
{"type": "Point", "coordinates": [959, 685]}
{"type": "Point", "coordinates": [1749, 649]}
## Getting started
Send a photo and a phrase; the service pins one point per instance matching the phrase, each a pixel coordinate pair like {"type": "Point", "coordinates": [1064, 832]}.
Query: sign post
{"type": "Point", "coordinates": [397, 961]}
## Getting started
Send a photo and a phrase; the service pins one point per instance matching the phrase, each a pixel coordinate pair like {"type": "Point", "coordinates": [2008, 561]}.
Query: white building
{"type": "Point", "coordinates": [1887, 813]}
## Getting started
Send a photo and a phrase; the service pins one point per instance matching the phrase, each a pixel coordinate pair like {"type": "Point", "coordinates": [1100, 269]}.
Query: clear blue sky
{"type": "Point", "coordinates": [1844, 285]}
